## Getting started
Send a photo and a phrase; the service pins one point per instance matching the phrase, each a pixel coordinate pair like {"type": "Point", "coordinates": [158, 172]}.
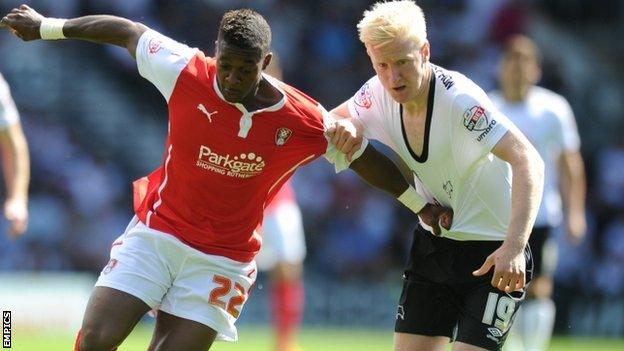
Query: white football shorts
{"type": "Point", "coordinates": [282, 237]}
{"type": "Point", "coordinates": [173, 277]}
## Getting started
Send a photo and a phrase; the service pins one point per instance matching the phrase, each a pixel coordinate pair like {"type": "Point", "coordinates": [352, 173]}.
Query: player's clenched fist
{"type": "Point", "coordinates": [345, 135]}
{"type": "Point", "coordinates": [24, 22]}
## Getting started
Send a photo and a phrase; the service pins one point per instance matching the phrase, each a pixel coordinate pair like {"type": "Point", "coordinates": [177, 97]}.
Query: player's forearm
{"type": "Point", "coordinates": [16, 162]}
{"type": "Point", "coordinates": [105, 29]}
{"type": "Point", "coordinates": [573, 184]}
{"type": "Point", "coordinates": [379, 171]}
{"type": "Point", "coordinates": [526, 195]}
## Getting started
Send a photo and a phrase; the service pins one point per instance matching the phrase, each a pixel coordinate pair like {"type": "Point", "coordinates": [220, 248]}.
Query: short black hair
{"type": "Point", "coordinates": [246, 29]}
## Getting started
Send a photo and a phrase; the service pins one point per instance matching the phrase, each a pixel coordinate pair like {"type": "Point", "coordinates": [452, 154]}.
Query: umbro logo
{"type": "Point", "coordinates": [203, 109]}
{"type": "Point", "coordinates": [494, 334]}
{"type": "Point", "coordinates": [400, 314]}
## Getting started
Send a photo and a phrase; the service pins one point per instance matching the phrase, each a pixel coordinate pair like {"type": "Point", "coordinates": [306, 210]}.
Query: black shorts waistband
{"type": "Point", "coordinates": [439, 240]}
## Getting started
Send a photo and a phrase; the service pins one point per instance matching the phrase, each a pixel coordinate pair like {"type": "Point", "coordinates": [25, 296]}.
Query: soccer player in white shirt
{"type": "Point", "coordinates": [235, 137]}
{"type": "Point", "coordinates": [15, 163]}
{"type": "Point", "coordinates": [463, 152]}
{"type": "Point", "coordinates": [548, 122]}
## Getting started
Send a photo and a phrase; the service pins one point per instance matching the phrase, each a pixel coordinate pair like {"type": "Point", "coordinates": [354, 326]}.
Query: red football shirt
{"type": "Point", "coordinates": [284, 196]}
{"type": "Point", "coordinates": [222, 164]}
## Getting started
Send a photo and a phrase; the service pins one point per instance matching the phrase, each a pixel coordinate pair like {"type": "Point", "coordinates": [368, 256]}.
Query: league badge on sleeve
{"type": "Point", "coordinates": [475, 118]}
{"type": "Point", "coordinates": [364, 97]}
{"type": "Point", "coordinates": [282, 135]}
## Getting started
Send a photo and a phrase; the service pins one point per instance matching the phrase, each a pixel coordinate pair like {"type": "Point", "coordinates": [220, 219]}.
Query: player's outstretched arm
{"type": "Point", "coordinates": [28, 24]}
{"type": "Point", "coordinates": [379, 171]}
{"type": "Point", "coordinates": [573, 188]}
{"type": "Point", "coordinates": [16, 170]}
{"type": "Point", "coordinates": [526, 194]}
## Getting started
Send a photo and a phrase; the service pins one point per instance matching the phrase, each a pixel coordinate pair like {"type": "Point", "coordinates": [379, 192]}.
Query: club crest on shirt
{"type": "Point", "coordinates": [475, 119]}
{"type": "Point", "coordinates": [282, 135]}
{"type": "Point", "coordinates": [363, 97]}
{"type": "Point", "coordinates": [154, 45]}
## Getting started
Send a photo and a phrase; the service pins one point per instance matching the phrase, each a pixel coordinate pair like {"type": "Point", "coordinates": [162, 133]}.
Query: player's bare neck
{"type": "Point", "coordinates": [417, 107]}
{"type": "Point", "coordinates": [515, 94]}
{"type": "Point", "coordinates": [265, 95]}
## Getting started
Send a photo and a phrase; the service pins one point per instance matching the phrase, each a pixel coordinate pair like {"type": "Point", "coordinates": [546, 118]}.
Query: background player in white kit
{"type": "Point", "coordinates": [463, 152]}
{"type": "Point", "coordinates": [235, 137]}
{"type": "Point", "coordinates": [548, 122]}
{"type": "Point", "coordinates": [15, 163]}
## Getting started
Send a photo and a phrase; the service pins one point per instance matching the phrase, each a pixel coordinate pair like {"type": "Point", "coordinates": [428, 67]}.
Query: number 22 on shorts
{"type": "Point", "coordinates": [224, 286]}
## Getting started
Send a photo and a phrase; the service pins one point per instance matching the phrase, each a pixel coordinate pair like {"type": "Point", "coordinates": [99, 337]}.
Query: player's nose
{"type": "Point", "coordinates": [232, 78]}
{"type": "Point", "coordinates": [395, 75]}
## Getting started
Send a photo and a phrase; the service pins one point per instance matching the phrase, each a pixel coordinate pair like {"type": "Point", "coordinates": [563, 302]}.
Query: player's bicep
{"type": "Point", "coordinates": [133, 40]}
{"type": "Point", "coordinates": [369, 107]}
{"type": "Point", "coordinates": [341, 111]}
{"type": "Point", "coordinates": [477, 126]}
{"type": "Point", "coordinates": [514, 147]}
{"type": "Point", "coordinates": [161, 59]}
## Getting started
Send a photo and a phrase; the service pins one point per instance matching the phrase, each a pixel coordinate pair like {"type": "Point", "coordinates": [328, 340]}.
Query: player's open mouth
{"type": "Point", "coordinates": [401, 88]}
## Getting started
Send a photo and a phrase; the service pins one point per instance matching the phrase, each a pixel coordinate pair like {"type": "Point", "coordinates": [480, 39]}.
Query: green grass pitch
{"type": "Point", "coordinates": [259, 339]}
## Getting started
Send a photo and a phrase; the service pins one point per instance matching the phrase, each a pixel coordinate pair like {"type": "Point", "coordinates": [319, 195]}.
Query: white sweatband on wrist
{"type": "Point", "coordinates": [412, 200]}
{"type": "Point", "coordinates": [52, 28]}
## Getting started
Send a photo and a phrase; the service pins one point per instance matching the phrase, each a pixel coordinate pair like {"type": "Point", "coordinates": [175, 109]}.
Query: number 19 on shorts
{"type": "Point", "coordinates": [504, 308]}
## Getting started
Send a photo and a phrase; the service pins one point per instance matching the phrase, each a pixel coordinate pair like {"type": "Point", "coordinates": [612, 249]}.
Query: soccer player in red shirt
{"type": "Point", "coordinates": [282, 254]}
{"type": "Point", "coordinates": [235, 137]}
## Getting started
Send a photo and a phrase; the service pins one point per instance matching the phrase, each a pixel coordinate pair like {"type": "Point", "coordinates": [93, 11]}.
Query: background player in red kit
{"type": "Point", "coordinates": [282, 254]}
{"type": "Point", "coordinates": [235, 136]}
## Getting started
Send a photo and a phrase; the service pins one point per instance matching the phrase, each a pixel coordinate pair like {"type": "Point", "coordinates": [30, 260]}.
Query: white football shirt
{"type": "Point", "coordinates": [548, 122]}
{"type": "Point", "coordinates": [456, 168]}
{"type": "Point", "coordinates": [8, 111]}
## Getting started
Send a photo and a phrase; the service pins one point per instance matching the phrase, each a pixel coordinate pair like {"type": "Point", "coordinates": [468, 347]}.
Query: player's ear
{"type": "Point", "coordinates": [267, 60]}
{"type": "Point", "coordinates": [425, 52]}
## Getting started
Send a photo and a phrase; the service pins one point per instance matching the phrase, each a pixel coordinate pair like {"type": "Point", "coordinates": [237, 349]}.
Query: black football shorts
{"type": "Point", "coordinates": [441, 297]}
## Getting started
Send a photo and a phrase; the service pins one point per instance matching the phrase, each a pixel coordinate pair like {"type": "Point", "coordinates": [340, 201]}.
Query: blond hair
{"type": "Point", "coordinates": [394, 20]}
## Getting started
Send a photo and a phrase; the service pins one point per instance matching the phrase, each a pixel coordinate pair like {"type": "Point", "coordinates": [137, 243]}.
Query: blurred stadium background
{"type": "Point", "coordinates": [94, 125]}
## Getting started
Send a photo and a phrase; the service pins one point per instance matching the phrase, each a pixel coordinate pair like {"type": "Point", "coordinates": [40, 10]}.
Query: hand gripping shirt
{"type": "Point", "coordinates": [222, 164]}
{"type": "Point", "coordinates": [456, 167]}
